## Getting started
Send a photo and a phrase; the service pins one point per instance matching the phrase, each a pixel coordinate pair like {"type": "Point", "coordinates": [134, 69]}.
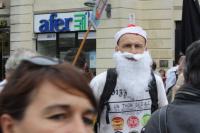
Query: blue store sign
{"type": "Point", "coordinates": [61, 22]}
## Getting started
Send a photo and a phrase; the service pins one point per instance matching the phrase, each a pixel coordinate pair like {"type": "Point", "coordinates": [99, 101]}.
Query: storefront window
{"type": "Point", "coordinates": [60, 35]}
{"type": "Point", "coordinates": [66, 41]}
{"type": "Point", "coordinates": [46, 44]}
{"type": "Point", "coordinates": [65, 46]}
{"type": "Point", "coordinates": [89, 50]}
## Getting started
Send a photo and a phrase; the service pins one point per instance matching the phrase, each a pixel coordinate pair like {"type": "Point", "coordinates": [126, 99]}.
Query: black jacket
{"type": "Point", "coordinates": [182, 115]}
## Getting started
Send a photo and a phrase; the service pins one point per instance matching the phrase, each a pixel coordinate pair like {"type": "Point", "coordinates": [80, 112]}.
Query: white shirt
{"type": "Point", "coordinates": [171, 77]}
{"type": "Point", "coordinates": [2, 84]}
{"type": "Point", "coordinates": [131, 121]}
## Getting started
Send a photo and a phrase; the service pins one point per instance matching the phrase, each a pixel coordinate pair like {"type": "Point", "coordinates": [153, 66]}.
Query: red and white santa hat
{"type": "Point", "coordinates": [130, 29]}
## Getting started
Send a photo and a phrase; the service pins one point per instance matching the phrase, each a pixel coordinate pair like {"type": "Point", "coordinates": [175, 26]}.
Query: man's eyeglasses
{"type": "Point", "coordinates": [44, 60]}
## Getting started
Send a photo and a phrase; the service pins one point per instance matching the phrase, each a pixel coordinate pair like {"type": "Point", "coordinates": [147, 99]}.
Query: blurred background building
{"type": "Point", "coordinates": [53, 27]}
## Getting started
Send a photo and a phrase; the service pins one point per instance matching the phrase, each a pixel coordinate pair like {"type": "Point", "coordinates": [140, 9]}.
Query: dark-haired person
{"type": "Point", "coordinates": [182, 115]}
{"type": "Point", "coordinates": [44, 96]}
{"type": "Point", "coordinates": [81, 62]}
{"type": "Point", "coordinates": [162, 73]}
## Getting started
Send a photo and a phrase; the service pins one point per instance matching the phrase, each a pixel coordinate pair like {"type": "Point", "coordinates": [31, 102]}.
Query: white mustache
{"type": "Point", "coordinates": [131, 56]}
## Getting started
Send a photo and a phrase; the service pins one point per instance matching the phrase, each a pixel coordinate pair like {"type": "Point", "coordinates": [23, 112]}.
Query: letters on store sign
{"type": "Point", "coordinates": [55, 24]}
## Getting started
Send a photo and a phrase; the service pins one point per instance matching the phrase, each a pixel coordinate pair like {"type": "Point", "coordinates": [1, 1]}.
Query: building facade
{"type": "Point", "coordinates": [55, 27]}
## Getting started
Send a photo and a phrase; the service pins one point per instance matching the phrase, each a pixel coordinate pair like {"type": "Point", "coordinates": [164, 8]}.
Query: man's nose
{"type": "Point", "coordinates": [133, 50]}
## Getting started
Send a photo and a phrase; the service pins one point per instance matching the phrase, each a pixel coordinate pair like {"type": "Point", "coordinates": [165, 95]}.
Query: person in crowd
{"type": "Point", "coordinates": [129, 93]}
{"type": "Point", "coordinates": [153, 66]}
{"type": "Point", "coordinates": [44, 95]}
{"type": "Point", "coordinates": [177, 75]}
{"type": "Point", "coordinates": [81, 62]}
{"type": "Point", "coordinates": [182, 115]}
{"type": "Point", "coordinates": [14, 60]}
{"type": "Point", "coordinates": [70, 55]}
{"type": "Point", "coordinates": [172, 75]}
{"type": "Point", "coordinates": [180, 80]}
{"type": "Point", "coordinates": [162, 74]}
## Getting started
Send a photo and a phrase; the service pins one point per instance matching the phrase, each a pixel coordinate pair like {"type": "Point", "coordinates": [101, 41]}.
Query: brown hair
{"type": "Point", "coordinates": [181, 64]}
{"type": "Point", "coordinates": [17, 94]}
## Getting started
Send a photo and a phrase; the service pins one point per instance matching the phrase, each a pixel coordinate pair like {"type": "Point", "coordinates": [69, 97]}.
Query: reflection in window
{"type": "Point", "coordinates": [66, 42]}
{"type": "Point", "coordinates": [46, 44]}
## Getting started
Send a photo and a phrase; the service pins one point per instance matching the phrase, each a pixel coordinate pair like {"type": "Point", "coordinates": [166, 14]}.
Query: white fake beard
{"type": "Point", "coordinates": [133, 75]}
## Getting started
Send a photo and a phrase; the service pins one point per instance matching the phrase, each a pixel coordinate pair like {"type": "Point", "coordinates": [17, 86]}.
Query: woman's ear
{"type": "Point", "coordinates": [7, 123]}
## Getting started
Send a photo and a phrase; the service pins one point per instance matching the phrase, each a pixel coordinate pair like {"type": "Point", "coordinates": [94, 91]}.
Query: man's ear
{"type": "Point", "coordinates": [145, 48]}
{"type": "Point", "coordinates": [7, 123]}
{"type": "Point", "coordinates": [146, 45]}
{"type": "Point", "coordinates": [116, 48]}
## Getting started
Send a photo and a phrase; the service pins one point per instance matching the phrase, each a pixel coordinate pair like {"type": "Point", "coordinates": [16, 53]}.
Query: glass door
{"type": "Point", "coordinates": [67, 42]}
{"type": "Point", "coordinates": [46, 44]}
{"type": "Point", "coordinates": [89, 50]}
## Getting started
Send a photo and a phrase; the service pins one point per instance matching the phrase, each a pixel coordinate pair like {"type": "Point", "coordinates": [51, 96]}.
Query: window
{"type": "Point", "coordinates": [46, 44]}
{"type": "Point", "coordinates": [66, 41]}
{"type": "Point", "coordinates": [65, 45]}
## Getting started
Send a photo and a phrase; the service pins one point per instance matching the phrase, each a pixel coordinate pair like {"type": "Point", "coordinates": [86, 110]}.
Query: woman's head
{"type": "Point", "coordinates": [192, 65]}
{"type": "Point", "coordinates": [44, 96]}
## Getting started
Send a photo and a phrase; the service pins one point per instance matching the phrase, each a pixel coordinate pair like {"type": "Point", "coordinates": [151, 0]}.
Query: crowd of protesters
{"type": "Point", "coordinates": [47, 95]}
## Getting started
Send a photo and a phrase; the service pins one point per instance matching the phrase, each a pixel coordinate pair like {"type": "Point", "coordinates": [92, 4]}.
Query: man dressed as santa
{"type": "Point", "coordinates": [130, 105]}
